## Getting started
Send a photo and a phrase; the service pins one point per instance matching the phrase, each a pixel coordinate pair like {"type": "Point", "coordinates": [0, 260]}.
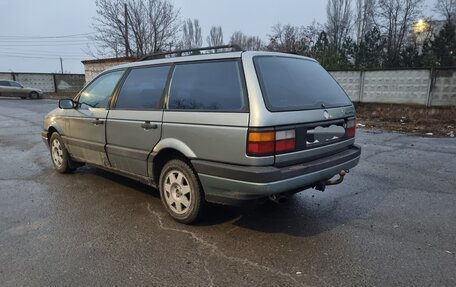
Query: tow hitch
{"type": "Point", "coordinates": [322, 184]}
{"type": "Point", "coordinates": [342, 174]}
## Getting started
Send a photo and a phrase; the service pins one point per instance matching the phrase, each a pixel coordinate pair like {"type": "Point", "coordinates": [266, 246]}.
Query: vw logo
{"type": "Point", "coordinates": [326, 115]}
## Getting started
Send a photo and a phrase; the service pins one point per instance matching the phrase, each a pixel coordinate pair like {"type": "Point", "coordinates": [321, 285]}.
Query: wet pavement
{"type": "Point", "coordinates": [391, 223]}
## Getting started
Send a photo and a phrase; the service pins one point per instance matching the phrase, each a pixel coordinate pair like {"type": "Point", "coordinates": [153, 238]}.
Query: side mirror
{"type": "Point", "coordinates": [66, 104]}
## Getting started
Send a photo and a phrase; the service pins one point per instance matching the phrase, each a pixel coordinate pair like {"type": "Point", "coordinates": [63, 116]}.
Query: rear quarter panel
{"type": "Point", "coordinates": [213, 136]}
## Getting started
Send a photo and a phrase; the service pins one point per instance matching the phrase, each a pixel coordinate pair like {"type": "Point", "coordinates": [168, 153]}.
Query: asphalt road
{"type": "Point", "coordinates": [391, 223]}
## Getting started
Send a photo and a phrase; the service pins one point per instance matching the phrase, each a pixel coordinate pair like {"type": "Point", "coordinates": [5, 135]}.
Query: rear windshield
{"type": "Point", "coordinates": [297, 84]}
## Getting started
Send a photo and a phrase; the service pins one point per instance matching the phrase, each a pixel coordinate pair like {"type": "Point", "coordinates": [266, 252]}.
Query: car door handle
{"type": "Point", "coordinates": [148, 126]}
{"type": "Point", "coordinates": [97, 122]}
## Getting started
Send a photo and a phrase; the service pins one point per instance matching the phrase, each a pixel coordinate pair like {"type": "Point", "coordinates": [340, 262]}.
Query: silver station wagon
{"type": "Point", "coordinates": [222, 127]}
{"type": "Point", "coordinates": [10, 88]}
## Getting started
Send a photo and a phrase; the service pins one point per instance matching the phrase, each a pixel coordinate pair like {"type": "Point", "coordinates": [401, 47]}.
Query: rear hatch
{"type": "Point", "coordinates": [310, 114]}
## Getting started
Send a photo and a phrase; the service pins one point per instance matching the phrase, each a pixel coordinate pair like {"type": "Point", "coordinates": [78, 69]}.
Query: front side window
{"type": "Point", "coordinates": [143, 88]}
{"type": "Point", "coordinates": [207, 86]}
{"type": "Point", "coordinates": [98, 92]}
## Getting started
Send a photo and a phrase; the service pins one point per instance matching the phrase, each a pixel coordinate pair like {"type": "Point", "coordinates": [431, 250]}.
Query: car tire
{"type": "Point", "coordinates": [181, 192]}
{"type": "Point", "coordinates": [34, 96]}
{"type": "Point", "coordinates": [59, 155]}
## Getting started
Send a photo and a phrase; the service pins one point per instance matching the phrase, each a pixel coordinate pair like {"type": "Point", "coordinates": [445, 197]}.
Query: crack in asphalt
{"type": "Point", "coordinates": [209, 274]}
{"type": "Point", "coordinates": [214, 250]}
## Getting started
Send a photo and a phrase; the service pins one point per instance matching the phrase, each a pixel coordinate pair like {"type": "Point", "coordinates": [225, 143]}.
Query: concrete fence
{"type": "Point", "coordinates": [49, 83]}
{"type": "Point", "coordinates": [428, 87]}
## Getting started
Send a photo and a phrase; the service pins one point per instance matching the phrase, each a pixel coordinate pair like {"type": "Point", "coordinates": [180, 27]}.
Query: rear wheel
{"type": "Point", "coordinates": [59, 155]}
{"type": "Point", "coordinates": [181, 192]}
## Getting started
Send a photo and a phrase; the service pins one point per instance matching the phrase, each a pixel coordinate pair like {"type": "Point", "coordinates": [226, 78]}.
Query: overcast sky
{"type": "Point", "coordinates": [50, 18]}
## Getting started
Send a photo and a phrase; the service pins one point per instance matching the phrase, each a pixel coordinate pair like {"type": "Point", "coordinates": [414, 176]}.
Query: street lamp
{"type": "Point", "coordinates": [420, 26]}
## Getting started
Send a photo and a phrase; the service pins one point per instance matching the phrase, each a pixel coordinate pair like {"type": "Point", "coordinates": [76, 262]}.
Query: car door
{"type": "Point", "coordinates": [134, 123]}
{"type": "Point", "coordinates": [86, 138]}
{"type": "Point", "coordinates": [17, 90]}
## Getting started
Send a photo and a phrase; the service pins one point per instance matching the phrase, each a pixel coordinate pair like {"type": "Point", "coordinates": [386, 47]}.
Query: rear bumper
{"type": "Point", "coordinates": [232, 182]}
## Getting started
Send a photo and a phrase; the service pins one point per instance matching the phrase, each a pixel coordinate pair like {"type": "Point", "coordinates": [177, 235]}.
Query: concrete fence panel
{"type": "Point", "coordinates": [429, 87]}
{"type": "Point", "coordinates": [396, 86]}
{"type": "Point", "coordinates": [350, 81]}
{"type": "Point", "coordinates": [444, 88]}
{"type": "Point", "coordinates": [69, 82]}
{"type": "Point", "coordinates": [44, 82]}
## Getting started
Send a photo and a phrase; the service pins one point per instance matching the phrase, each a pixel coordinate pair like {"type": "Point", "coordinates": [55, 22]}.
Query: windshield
{"type": "Point", "coordinates": [297, 84]}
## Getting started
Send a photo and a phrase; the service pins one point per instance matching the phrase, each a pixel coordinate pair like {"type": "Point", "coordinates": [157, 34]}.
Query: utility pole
{"type": "Point", "coordinates": [61, 65]}
{"type": "Point", "coordinates": [127, 46]}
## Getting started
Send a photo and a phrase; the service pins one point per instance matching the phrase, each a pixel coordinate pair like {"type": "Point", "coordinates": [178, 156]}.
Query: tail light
{"type": "Point", "coordinates": [350, 128]}
{"type": "Point", "coordinates": [266, 143]}
{"type": "Point", "coordinates": [261, 143]}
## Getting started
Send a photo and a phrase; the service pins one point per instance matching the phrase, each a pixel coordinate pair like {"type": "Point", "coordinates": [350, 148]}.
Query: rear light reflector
{"type": "Point", "coordinates": [261, 148]}
{"type": "Point", "coordinates": [350, 128]}
{"type": "Point", "coordinates": [285, 145]}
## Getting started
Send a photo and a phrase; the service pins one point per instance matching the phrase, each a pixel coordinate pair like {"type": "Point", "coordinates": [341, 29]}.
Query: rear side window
{"type": "Point", "coordinates": [4, 83]}
{"type": "Point", "coordinates": [207, 86]}
{"type": "Point", "coordinates": [143, 88]}
{"type": "Point", "coordinates": [297, 84]}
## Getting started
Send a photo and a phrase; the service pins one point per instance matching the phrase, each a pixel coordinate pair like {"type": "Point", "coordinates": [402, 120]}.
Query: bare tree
{"type": "Point", "coordinates": [238, 38]}
{"type": "Point", "coordinates": [215, 37]}
{"type": "Point", "coordinates": [285, 38]}
{"type": "Point", "coordinates": [446, 8]}
{"type": "Point", "coordinates": [312, 32]}
{"type": "Point", "coordinates": [252, 43]}
{"type": "Point", "coordinates": [339, 21]}
{"type": "Point", "coordinates": [294, 39]}
{"type": "Point", "coordinates": [152, 26]}
{"type": "Point", "coordinates": [192, 34]}
{"type": "Point", "coordinates": [365, 13]}
{"type": "Point", "coordinates": [395, 19]}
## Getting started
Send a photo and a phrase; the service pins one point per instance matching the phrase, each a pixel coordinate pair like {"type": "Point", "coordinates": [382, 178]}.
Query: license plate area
{"type": "Point", "coordinates": [321, 135]}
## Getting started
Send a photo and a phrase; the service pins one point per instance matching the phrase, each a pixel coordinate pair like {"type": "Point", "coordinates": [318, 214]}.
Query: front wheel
{"type": "Point", "coordinates": [59, 154]}
{"type": "Point", "coordinates": [34, 96]}
{"type": "Point", "coordinates": [180, 192]}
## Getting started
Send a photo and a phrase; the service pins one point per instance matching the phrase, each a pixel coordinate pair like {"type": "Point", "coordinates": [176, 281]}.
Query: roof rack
{"type": "Point", "coordinates": [234, 48]}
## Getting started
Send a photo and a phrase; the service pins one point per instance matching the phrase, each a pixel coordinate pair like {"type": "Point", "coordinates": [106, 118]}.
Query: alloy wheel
{"type": "Point", "coordinates": [177, 192]}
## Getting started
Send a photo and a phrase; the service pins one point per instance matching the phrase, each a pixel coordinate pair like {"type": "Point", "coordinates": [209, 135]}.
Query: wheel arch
{"type": "Point", "coordinates": [167, 150]}
{"type": "Point", "coordinates": [52, 129]}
